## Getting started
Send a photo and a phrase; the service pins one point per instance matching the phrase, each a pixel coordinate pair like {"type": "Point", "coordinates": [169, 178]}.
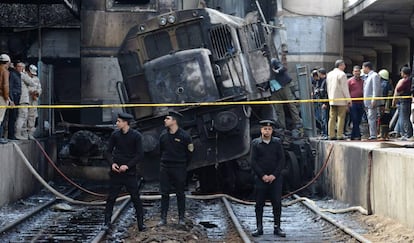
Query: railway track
{"type": "Point", "coordinates": [302, 222]}
{"type": "Point", "coordinates": [222, 220]}
{"type": "Point", "coordinates": [54, 221]}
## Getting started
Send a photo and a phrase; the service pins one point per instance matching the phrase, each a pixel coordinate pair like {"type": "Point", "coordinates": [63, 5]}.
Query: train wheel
{"type": "Point", "coordinates": [207, 177]}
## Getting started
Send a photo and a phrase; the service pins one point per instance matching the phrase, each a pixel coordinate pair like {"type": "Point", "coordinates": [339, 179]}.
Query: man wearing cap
{"type": "Point", "coordinates": [267, 160]}
{"type": "Point", "coordinates": [4, 90]}
{"type": "Point", "coordinates": [124, 153]}
{"type": "Point", "coordinates": [34, 92]}
{"type": "Point", "coordinates": [176, 149]}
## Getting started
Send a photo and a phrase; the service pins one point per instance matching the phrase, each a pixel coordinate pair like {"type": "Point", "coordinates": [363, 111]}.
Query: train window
{"type": "Point", "coordinates": [158, 44]}
{"type": "Point", "coordinates": [132, 5]}
{"type": "Point", "coordinates": [222, 42]}
{"type": "Point", "coordinates": [131, 1]}
{"type": "Point", "coordinates": [189, 36]}
{"type": "Point", "coordinates": [255, 37]}
{"type": "Point", "coordinates": [129, 63]}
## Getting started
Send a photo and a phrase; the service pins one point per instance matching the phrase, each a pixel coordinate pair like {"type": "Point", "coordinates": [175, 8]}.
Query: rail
{"type": "Point", "coordinates": [236, 222]}
{"type": "Point", "coordinates": [345, 229]}
{"type": "Point", "coordinates": [101, 234]}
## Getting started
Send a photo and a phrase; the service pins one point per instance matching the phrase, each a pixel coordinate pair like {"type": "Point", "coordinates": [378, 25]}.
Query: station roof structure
{"type": "Point", "coordinates": [397, 14]}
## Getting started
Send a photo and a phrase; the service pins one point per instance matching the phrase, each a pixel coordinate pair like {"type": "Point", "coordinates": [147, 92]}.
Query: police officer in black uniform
{"type": "Point", "coordinates": [176, 148]}
{"type": "Point", "coordinates": [268, 159]}
{"type": "Point", "coordinates": [124, 152]}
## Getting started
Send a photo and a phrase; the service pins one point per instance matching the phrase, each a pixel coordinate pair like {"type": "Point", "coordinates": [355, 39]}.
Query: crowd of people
{"type": "Point", "coordinates": [374, 99]}
{"type": "Point", "coordinates": [18, 86]}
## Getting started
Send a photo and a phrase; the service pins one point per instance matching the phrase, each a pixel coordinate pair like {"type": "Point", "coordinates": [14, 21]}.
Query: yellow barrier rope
{"type": "Point", "coordinates": [219, 103]}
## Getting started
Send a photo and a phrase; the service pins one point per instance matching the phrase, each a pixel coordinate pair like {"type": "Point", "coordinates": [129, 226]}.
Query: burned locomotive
{"type": "Point", "coordinates": [201, 55]}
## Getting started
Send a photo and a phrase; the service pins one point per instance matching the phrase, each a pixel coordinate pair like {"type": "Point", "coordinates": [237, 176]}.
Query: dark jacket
{"type": "Point", "coordinates": [15, 85]}
{"type": "Point", "coordinates": [126, 149]}
{"type": "Point", "coordinates": [267, 159]}
{"type": "Point", "coordinates": [280, 72]}
{"type": "Point", "coordinates": [176, 149]}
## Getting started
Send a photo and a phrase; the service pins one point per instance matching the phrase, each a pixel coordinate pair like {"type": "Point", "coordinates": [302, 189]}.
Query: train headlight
{"type": "Point", "coordinates": [142, 28]}
{"type": "Point", "coordinates": [171, 19]}
{"type": "Point", "coordinates": [225, 121]}
{"type": "Point", "coordinates": [162, 21]}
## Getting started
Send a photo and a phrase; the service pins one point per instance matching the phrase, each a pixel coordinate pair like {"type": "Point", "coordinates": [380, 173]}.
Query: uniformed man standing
{"type": "Point", "coordinates": [124, 152]}
{"type": "Point", "coordinates": [268, 159]}
{"type": "Point", "coordinates": [176, 149]}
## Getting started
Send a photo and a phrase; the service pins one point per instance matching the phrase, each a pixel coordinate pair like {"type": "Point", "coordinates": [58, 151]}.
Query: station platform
{"type": "Point", "coordinates": [16, 181]}
{"type": "Point", "coordinates": [375, 175]}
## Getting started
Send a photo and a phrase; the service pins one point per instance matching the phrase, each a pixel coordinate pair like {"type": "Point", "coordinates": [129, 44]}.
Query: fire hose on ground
{"type": "Point", "coordinates": [158, 197]}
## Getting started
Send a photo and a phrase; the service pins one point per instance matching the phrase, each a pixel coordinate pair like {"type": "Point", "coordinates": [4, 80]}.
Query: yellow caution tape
{"type": "Point", "coordinates": [219, 103]}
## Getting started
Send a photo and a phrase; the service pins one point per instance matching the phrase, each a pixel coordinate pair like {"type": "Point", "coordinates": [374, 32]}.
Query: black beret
{"type": "Point", "coordinates": [175, 114]}
{"type": "Point", "coordinates": [264, 123]}
{"type": "Point", "coordinates": [125, 116]}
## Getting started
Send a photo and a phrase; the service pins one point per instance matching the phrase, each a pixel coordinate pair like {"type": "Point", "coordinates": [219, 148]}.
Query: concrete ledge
{"type": "Point", "coordinates": [16, 181]}
{"type": "Point", "coordinates": [346, 178]}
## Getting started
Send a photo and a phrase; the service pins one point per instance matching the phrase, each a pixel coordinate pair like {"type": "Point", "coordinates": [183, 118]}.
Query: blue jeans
{"type": "Point", "coordinates": [404, 113]}
{"type": "Point", "coordinates": [324, 118]}
{"type": "Point", "coordinates": [357, 111]}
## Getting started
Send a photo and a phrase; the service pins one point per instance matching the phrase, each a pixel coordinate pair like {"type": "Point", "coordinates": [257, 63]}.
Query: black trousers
{"type": "Point", "coordinates": [273, 192]}
{"type": "Point", "coordinates": [172, 177]}
{"type": "Point", "coordinates": [130, 183]}
{"type": "Point", "coordinates": [13, 113]}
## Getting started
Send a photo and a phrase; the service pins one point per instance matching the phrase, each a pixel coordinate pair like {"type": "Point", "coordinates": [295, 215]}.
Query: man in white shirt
{"type": "Point", "coordinates": [337, 87]}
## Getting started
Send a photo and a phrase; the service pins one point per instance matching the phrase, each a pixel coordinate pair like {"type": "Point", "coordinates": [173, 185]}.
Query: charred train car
{"type": "Point", "coordinates": [191, 56]}
{"type": "Point", "coordinates": [200, 55]}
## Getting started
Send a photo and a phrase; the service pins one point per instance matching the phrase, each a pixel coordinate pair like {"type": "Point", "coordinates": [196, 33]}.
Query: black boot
{"type": "Point", "coordinates": [181, 217]}
{"type": "Point", "coordinates": [165, 201]}
{"type": "Point", "coordinates": [259, 223]}
{"type": "Point", "coordinates": [107, 222]}
{"type": "Point", "coordinates": [140, 222]}
{"type": "Point", "coordinates": [278, 231]}
{"type": "Point", "coordinates": [181, 209]}
{"type": "Point", "coordinates": [142, 227]}
{"type": "Point", "coordinates": [163, 220]}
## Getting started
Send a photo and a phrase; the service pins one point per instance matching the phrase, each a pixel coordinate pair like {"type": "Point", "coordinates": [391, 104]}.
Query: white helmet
{"type": "Point", "coordinates": [33, 69]}
{"type": "Point", "coordinates": [4, 58]}
{"type": "Point", "coordinates": [384, 74]}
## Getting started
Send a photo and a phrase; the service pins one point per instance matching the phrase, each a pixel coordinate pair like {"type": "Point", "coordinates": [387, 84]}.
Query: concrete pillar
{"type": "Point", "coordinates": [104, 26]}
{"type": "Point", "coordinates": [314, 32]}
{"type": "Point", "coordinates": [16, 181]}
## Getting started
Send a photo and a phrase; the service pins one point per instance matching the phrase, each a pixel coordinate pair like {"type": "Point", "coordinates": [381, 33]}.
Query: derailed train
{"type": "Point", "coordinates": [203, 55]}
